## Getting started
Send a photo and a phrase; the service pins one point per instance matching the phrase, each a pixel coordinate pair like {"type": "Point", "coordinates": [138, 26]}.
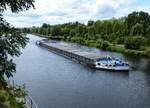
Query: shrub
{"type": "Point", "coordinates": [148, 53]}
{"type": "Point", "coordinates": [137, 29]}
{"type": "Point", "coordinates": [91, 43]}
{"type": "Point", "coordinates": [3, 97]}
{"type": "Point", "coordinates": [120, 40]}
{"type": "Point", "coordinates": [134, 42]}
{"type": "Point", "coordinates": [104, 45]}
{"type": "Point", "coordinates": [77, 39]}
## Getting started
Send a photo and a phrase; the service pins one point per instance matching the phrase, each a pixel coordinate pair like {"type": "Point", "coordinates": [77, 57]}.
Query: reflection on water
{"type": "Point", "coordinates": [56, 82]}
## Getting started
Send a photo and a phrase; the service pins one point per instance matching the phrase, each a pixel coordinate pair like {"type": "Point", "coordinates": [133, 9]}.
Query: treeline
{"type": "Point", "coordinates": [130, 34]}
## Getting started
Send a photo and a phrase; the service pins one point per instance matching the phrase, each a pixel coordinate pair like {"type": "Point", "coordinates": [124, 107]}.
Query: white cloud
{"type": "Point", "coordinates": [62, 11]}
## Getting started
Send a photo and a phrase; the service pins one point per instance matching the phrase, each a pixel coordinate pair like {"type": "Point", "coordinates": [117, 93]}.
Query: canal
{"type": "Point", "coordinates": [56, 82]}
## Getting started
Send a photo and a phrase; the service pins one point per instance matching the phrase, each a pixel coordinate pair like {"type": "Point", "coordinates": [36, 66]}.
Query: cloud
{"type": "Point", "coordinates": [106, 11]}
{"type": "Point", "coordinates": [62, 11]}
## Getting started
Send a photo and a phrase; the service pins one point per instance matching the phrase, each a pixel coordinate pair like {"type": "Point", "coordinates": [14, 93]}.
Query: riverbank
{"type": "Point", "coordinates": [134, 53]}
{"type": "Point", "coordinates": [105, 45]}
{"type": "Point", "coordinates": [11, 96]}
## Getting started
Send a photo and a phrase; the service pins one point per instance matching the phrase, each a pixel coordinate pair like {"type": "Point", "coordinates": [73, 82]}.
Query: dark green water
{"type": "Point", "coordinates": [56, 82]}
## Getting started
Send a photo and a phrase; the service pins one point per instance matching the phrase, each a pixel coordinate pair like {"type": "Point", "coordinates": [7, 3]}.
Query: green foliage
{"type": "Point", "coordinates": [11, 40]}
{"type": "Point", "coordinates": [116, 48]}
{"type": "Point", "coordinates": [91, 43]}
{"type": "Point", "coordinates": [56, 30]}
{"type": "Point", "coordinates": [90, 23]}
{"type": "Point", "coordinates": [77, 40]}
{"type": "Point", "coordinates": [4, 96]}
{"type": "Point", "coordinates": [140, 18]}
{"type": "Point", "coordinates": [45, 25]}
{"type": "Point", "coordinates": [137, 29]}
{"type": "Point", "coordinates": [9, 100]}
{"type": "Point", "coordinates": [72, 33]}
{"type": "Point", "coordinates": [65, 31]}
{"type": "Point", "coordinates": [104, 45]}
{"type": "Point", "coordinates": [91, 32]}
{"type": "Point", "coordinates": [134, 42]}
{"type": "Point", "coordinates": [98, 26]}
{"type": "Point", "coordinates": [80, 30]}
{"type": "Point", "coordinates": [16, 5]}
{"type": "Point", "coordinates": [148, 32]}
{"type": "Point", "coordinates": [147, 53]}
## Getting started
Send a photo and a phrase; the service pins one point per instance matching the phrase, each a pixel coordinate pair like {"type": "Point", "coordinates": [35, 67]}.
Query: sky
{"type": "Point", "coordinates": [63, 11]}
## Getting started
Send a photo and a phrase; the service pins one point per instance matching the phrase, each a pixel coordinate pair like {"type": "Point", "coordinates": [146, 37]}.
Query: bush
{"type": "Point", "coordinates": [104, 45]}
{"type": "Point", "coordinates": [137, 29]}
{"type": "Point", "coordinates": [120, 40]}
{"type": "Point", "coordinates": [77, 39]}
{"type": "Point", "coordinates": [3, 97]}
{"type": "Point", "coordinates": [91, 43]}
{"type": "Point", "coordinates": [134, 42]}
{"type": "Point", "coordinates": [148, 53]}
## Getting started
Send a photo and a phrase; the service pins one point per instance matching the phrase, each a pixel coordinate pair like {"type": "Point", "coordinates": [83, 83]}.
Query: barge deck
{"type": "Point", "coordinates": [71, 52]}
{"type": "Point", "coordinates": [82, 56]}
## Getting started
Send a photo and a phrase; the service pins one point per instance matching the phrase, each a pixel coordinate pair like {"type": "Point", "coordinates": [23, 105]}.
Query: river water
{"type": "Point", "coordinates": [56, 82]}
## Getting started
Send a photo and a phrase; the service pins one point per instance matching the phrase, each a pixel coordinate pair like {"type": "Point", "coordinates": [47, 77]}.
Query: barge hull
{"type": "Point", "coordinates": [75, 57]}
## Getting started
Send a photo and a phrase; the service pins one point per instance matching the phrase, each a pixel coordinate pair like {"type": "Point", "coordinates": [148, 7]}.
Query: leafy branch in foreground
{"type": "Point", "coordinates": [16, 5]}
{"type": "Point", "coordinates": [11, 41]}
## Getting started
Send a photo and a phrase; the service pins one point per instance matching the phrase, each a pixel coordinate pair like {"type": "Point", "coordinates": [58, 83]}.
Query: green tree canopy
{"type": "Point", "coordinates": [141, 17]}
{"type": "Point", "coordinates": [45, 25]}
{"type": "Point", "coordinates": [16, 5]}
{"type": "Point", "coordinates": [137, 29]}
{"type": "Point", "coordinates": [56, 30]}
{"type": "Point", "coordinates": [90, 23]}
{"type": "Point", "coordinates": [11, 40]}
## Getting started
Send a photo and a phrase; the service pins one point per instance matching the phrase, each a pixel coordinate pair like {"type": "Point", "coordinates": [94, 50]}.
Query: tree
{"type": "Point", "coordinates": [80, 30]}
{"type": "Point", "coordinates": [137, 29]}
{"type": "Point", "coordinates": [108, 27]}
{"type": "Point", "coordinates": [72, 33]}
{"type": "Point", "coordinates": [56, 30]}
{"type": "Point", "coordinates": [90, 23]}
{"type": "Point", "coordinates": [66, 30]}
{"type": "Point", "coordinates": [11, 40]}
{"type": "Point", "coordinates": [45, 25]}
{"type": "Point", "coordinates": [142, 18]}
{"type": "Point", "coordinates": [98, 26]}
{"type": "Point", "coordinates": [148, 31]}
{"type": "Point", "coordinates": [91, 32]}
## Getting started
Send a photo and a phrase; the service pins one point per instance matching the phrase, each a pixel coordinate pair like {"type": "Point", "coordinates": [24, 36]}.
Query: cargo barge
{"type": "Point", "coordinates": [84, 57]}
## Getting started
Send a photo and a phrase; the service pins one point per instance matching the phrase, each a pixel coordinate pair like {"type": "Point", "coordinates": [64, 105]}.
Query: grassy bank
{"type": "Point", "coordinates": [136, 53]}
{"type": "Point", "coordinates": [105, 45]}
